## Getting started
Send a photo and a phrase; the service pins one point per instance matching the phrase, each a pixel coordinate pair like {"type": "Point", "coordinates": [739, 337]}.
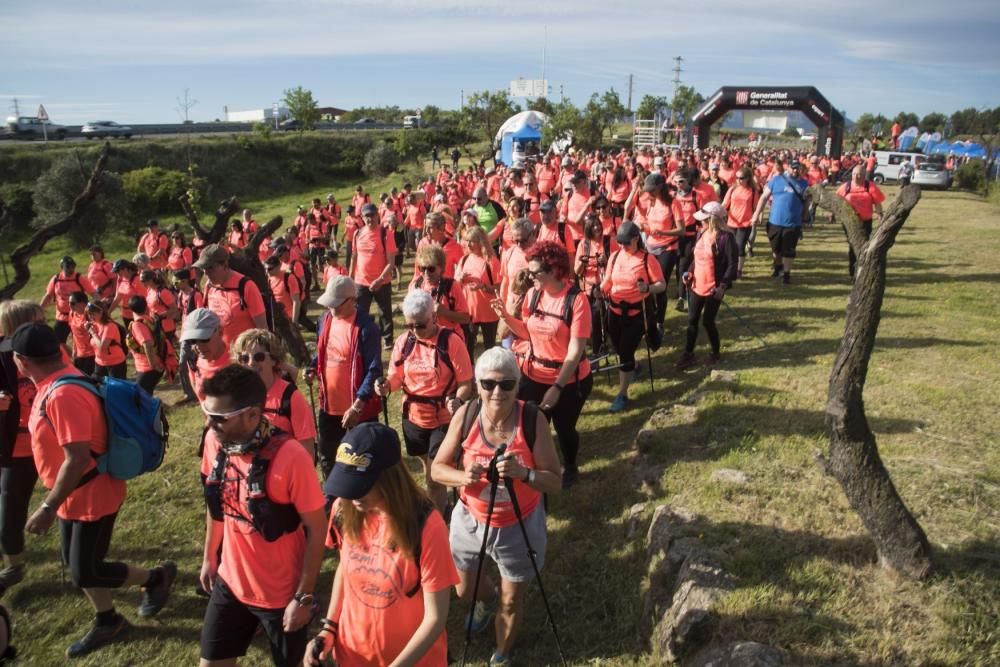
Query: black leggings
{"type": "Point", "coordinates": [564, 415]}
{"type": "Point", "coordinates": [489, 330]}
{"type": "Point", "coordinates": [148, 380]}
{"type": "Point", "coordinates": [668, 260]}
{"type": "Point", "coordinates": [117, 371]}
{"type": "Point", "coordinates": [742, 235]}
{"type": "Point", "coordinates": [697, 307]}
{"type": "Point", "coordinates": [17, 481]}
{"type": "Point", "coordinates": [84, 364]}
{"type": "Point", "coordinates": [330, 434]}
{"type": "Point", "coordinates": [625, 332]}
{"type": "Point", "coordinates": [84, 547]}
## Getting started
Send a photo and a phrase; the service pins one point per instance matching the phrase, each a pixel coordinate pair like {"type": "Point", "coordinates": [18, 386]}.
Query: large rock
{"type": "Point", "coordinates": [739, 654]}
{"type": "Point", "coordinates": [651, 433]}
{"type": "Point", "coordinates": [729, 476]}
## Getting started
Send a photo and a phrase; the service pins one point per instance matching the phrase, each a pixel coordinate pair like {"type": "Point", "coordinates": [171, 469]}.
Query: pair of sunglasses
{"type": "Point", "coordinates": [505, 385]}
{"type": "Point", "coordinates": [417, 325]}
{"type": "Point", "coordinates": [428, 269]}
{"type": "Point", "coordinates": [223, 417]}
{"type": "Point", "coordinates": [257, 357]}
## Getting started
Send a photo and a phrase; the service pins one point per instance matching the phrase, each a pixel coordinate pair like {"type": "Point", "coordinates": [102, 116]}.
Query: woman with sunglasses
{"type": "Point", "coordinates": [106, 338]}
{"type": "Point", "coordinates": [450, 307]}
{"type": "Point", "coordinates": [432, 367]}
{"type": "Point", "coordinates": [556, 322]}
{"type": "Point", "coordinates": [591, 258]}
{"type": "Point", "coordinates": [180, 254]}
{"type": "Point", "coordinates": [740, 201]}
{"type": "Point", "coordinates": [531, 467]}
{"type": "Point", "coordinates": [284, 406]}
{"type": "Point", "coordinates": [479, 274]}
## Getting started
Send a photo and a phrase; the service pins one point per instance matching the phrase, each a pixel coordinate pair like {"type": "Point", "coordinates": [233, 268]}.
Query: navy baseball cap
{"type": "Point", "coordinates": [364, 452]}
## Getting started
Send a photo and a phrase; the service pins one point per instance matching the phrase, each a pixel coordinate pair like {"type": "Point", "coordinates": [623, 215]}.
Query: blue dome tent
{"type": "Point", "coordinates": [518, 133]}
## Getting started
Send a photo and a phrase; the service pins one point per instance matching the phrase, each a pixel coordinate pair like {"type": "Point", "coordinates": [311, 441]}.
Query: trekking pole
{"type": "Point", "coordinates": [385, 409]}
{"type": "Point", "coordinates": [748, 327]}
{"type": "Point", "coordinates": [494, 479]}
{"type": "Point", "coordinates": [509, 485]}
{"type": "Point", "coordinates": [645, 338]}
{"type": "Point", "coordinates": [312, 404]}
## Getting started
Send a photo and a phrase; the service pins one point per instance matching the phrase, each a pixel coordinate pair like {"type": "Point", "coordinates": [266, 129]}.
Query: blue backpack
{"type": "Point", "coordinates": [137, 428]}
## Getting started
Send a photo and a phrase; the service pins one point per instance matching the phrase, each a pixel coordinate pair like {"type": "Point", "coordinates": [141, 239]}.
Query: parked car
{"type": "Point", "coordinates": [97, 129]}
{"type": "Point", "coordinates": [887, 168]}
{"type": "Point", "coordinates": [931, 175]}
{"type": "Point", "coordinates": [365, 121]}
{"type": "Point", "coordinates": [26, 127]}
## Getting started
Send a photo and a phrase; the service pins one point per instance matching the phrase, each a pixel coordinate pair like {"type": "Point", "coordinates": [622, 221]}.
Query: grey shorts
{"type": "Point", "coordinates": [505, 546]}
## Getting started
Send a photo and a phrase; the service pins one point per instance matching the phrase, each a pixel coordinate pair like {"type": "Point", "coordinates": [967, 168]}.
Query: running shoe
{"type": "Point", "coordinates": [96, 637]}
{"type": "Point", "coordinates": [786, 278]}
{"type": "Point", "coordinates": [681, 305]}
{"type": "Point", "coordinates": [154, 597]}
{"type": "Point", "coordinates": [713, 359]}
{"type": "Point", "coordinates": [776, 273]}
{"type": "Point", "coordinates": [686, 361]}
{"type": "Point", "coordinates": [9, 576]}
{"type": "Point", "coordinates": [482, 614]}
{"type": "Point", "coordinates": [500, 660]}
{"type": "Point", "coordinates": [569, 477]}
{"type": "Point", "coordinates": [619, 403]}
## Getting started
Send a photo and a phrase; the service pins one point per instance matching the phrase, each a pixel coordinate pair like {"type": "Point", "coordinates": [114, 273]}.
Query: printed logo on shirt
{"type": "Point", "coordinates": [374, 577]}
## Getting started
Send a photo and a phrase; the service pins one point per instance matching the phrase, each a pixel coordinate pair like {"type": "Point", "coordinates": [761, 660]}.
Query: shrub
{"type": "Point", "coordinates": [153, 190]}
{"type": "Point", "coordinates": [380, 161]}
{"type": "Point", "coordinates": [970, 176]}
{"type": "Point", "coordinates": [19, 199]}
{"type": "Point", "coordinates": [56, 189]}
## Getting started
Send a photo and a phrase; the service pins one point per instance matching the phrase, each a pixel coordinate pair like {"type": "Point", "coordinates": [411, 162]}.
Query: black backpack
{"type": "Point", "coordinates": [240, 288]}
{"type": "Point", "coordinates": [529, 422]}
{"type": "Point", "coordinates": [285, 407]}
{"type": "Point", "coordinates": [444, 287]}
{"type": "Point", "coordinates": [567, 311]}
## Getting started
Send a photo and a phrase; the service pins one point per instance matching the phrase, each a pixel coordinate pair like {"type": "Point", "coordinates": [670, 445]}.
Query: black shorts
{"type": "Point", "coordinates": [783, 239]}
{"type": "Point", "coordinates": [423, 441]}
{"type": "Point", "coordinates": [230, 625]}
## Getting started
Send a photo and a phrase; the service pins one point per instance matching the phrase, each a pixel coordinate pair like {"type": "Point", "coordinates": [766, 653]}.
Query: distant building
{"type": "Point", "coordinates": [255, 115]}
{"type": "Point", "coordinates": [330, 113]}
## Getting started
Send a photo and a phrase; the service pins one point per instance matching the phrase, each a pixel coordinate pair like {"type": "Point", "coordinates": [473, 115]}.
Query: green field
{"type": "Point", "coordinates": [807, 581]}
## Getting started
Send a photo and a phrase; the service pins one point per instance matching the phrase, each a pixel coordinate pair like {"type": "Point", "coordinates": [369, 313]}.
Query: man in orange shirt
{"type": "Point", "coordinates": [68, 430]}
{"type": "Point", "coordinates": [155, 244]}
{"type": "Point", "coordinates": [203, 333]}
{"type": "Point", "coordinates": [286, 288]}
{"type": "Point", "coordinates": [265, 514]}
{"type": "Point", "coordinates": [371, 269]}
{"type": "Point", "coordinates": [232, 296]}
{"type": "Point", "coordinates": [347, 363]}
{"type": "Point", "coordinates": [866, 199]}
{"type": "Point", "coordinates": [61, 286]}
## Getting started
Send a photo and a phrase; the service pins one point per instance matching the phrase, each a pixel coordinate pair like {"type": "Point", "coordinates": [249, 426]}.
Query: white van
{"type": "Point", "coordinates": [889, 162]}
{"type": "Point", "coordinates": [412, 122]}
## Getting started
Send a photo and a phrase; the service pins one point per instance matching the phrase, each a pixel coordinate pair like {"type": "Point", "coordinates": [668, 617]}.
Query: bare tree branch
{"type": "Point", "coordinates": [22, 255]}
{"type": "Point", "coordinates": [226, 210]}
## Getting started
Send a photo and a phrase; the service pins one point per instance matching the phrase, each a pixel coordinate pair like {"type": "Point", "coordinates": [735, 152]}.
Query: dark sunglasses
{"type": "Point", "coordinates": [535, 274]}
{"type": "Point", "coordinates": [505, 385]}
{"type": "Point", "coordinates": [416, 325]}
{"type": "Point", "coordinates": [257, 357]}
{"type": "Point", "coordinates": [428, 269]}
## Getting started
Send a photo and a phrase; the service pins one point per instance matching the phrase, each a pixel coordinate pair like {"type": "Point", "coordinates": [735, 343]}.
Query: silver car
{"type": "Point", "coordinates": [931, 175]}
{"type": "Point", "coordinates": [96, 129]}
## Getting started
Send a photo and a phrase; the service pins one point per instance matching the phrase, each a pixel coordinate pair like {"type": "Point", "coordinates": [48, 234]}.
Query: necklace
{"type": "Point", "coordinates": [495, 426]}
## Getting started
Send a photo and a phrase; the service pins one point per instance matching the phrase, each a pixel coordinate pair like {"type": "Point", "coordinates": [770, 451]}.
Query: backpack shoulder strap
{"type": "Point", "coordinates": [408, 345]}
{"type": "Point", "coordinates": [423, 513]}
{"type": "Point", "coordinates": [536, 295]}
{"type": "Point", "coordinates": [444, 287]}
{"type": "Point", "coordinates": [529, 422]}
{"type": "Point", "coordinates": [242, 289]}
{"type": "Point", "coordinates": [567, 314]}
{"type": "Point", "coordinates": [471, 414]}
{"type": "Point", "coordinates": [285, 407]}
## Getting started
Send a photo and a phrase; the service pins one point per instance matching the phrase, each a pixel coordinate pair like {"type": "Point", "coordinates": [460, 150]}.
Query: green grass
{"type": "Point", "coordinates": [807, 581]}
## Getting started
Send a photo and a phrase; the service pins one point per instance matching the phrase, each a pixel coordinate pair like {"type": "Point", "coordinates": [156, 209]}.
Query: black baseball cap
{"type": "Point", "coordinates": [35, 340]}
{"type": "Point", "coordinates": [67, 261]}
{"type": "Point", "coordinates": [364, 452]}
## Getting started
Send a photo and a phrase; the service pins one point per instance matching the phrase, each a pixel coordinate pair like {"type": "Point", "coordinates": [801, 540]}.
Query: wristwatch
{"type": "Point", "coordinates": [304, 598]}
{"type": "Point", "coordinates": [47, 508]}
{"type": "Point", "coordinates": [531, 477]}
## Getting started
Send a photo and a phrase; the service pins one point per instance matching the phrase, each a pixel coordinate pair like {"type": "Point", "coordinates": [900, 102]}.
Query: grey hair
{"type": "Point", "coordinates": [524, 225]}
{"type": "Point", "coordinates": [141, 259]}
{"type": "Point", "coordinates": [418, 303]}
{"type": "Point", "coordinates": [498, 359]}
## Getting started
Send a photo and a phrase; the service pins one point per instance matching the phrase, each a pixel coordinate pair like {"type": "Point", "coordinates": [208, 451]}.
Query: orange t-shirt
{"type": "Point", "coordinates": [127, 289]}
{"type": "Point", "coordinates": [224, 301]}
{"type": "Point", "coordinates": [370, 256]}
{"type": "Point", "coordinates": [512, 261]}
{"type": "Point", "coordinates": [424, 374]}
{"type": "Point", "coordinates": [453, 254]}
{"type": "Point", "coordinates": [142, 335]}
{"type": "Point", "coordinates": [339, 361]}
{"type": "Point", "coordinates": [591, 253]}
{"type": "Point", "coordinates": [82, 346]}
{"type": "Point", "coordinates": [550, 336]}
{"type": "Point", "coordinates": [659, 219]}
{"type": "Point", "coordinates": [575, 209]}
{"type": "Point", "coordinates": [61, 288]}
{"type": "Point", "coordinates": [685, 206]}
{"type": "Point", "coordinates": [476, 274]}
{"type": "Point", "coordinates": [261, 573]}
{"type": "Point", "coordinates": [73, 414]}
{"type": "Point", "coordinates": [377, 618]}
{"type": "Point", "coordinates": [180, 257]}
{"type": "Point", "coordinates": [157, 302]}
{"type": "Point", "coordinates": [703, 270]}
{"type": "Point", "coordinates": [551, 233]}
{"type": "Point", "coordinates": [205, 369]}
{"type": "Point", "coordinates": [284, 296]}
{"type": "Point", "coordinates": [25, 397]}
{"type": "Point", "coordinates": [101, 279]}
{"type": "Point", "coordinates": [300, 424]}
{"type": "Point", "coordinates": [862, 199]}
{"type": "Point", "coordinates": [151, 244]}
{"type": "Point", "coordinates": [740, 201]}
{"type": "Point", "coordinates": [109, 348]}
{"type": "Point", "coordinates": [625, 269]}
{"type": "Point", "coordinates": [330, 272]}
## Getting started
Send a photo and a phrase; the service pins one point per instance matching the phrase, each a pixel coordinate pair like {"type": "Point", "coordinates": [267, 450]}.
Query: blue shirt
{"type": "Point", "coordinates": [786, 207]}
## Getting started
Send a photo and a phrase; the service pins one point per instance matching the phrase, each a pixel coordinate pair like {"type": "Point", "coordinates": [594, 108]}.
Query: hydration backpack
{"type": "Point", "coordinates": [137, 428]}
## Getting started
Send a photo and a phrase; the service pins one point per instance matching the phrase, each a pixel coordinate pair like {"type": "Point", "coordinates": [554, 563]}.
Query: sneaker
{"type": "Point", "coordinates": [154, 597]}
{"type": "Point", "coordinates": [569, 477]}
{"type": "Point", "coordinates": [713, 359]}
{"type": "Point", "coordinates": [786, 278]}
{"type": "Point", "coordinates": [776, 272]}
{"type": "Point", "coordinates": [12, 575]}
{"type": "Point", "coordinates": [619, 403]}
{"type": "Point", "coordinates": [681, 305]}
{"type": "Point", "coordinates": [498, 660]}
{"type": "Point", "coordinates": [482, 614]}
{"type": "Point", "coordinates": [686, 360]}
{"type": "Point", "coordinates": [96, 637]}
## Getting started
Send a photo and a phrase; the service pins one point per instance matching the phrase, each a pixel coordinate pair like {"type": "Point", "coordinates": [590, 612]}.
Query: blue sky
{"type": "Point", "coordinates": [130, 60]}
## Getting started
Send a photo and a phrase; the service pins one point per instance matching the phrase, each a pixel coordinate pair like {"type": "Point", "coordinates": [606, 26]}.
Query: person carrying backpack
{"type": "Point", "coordinates": [391, 591]}
{"type": "Point", "coordinates": [284, 405]}
{"type": "Point", "coordinates": [447, 294]}
{"type": "Point", "coordinates": [265, 513]}
{"type": "Point", "coordinates": [235, 298]}
{"type": "Point", "coordinates": [69, 429]}
{"type": "Point", "coordinates": [155, 245]}
{"type": "Point", "coordinates": [495, 419]}
{"type": "Point", "coordinates": [431, 365]}
{"type": "Point", "coordinates": [151, 351]}
{"type": "Point", "coordinates": [108, 339]}
{"type": "Point", "coordinates": [60, 287]}
{"type": "Point", "coordinates": [555, 323]}
{"type": "Point", "coordinates": [479, 275]}
{"type": "Point", "coordinates": [866, 199]}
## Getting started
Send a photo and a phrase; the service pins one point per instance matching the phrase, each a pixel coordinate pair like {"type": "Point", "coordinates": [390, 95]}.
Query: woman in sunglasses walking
{"type": "Point", "coordinates": [450, 306]}
{"type": "Point", "coordinates": [530, 464]}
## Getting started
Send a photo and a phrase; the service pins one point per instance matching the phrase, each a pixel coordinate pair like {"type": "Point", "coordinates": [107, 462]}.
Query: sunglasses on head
{"type": "Point", "coordinates": [428, 269]}
{"type": "Point", "coordinates": [223, 417]}
{"type": "Point", "coordinates": [505, 385]}
{"type": "Point", "coordinates": [256, 357]}
{"type": "Point", "coordinates": [416, 325]}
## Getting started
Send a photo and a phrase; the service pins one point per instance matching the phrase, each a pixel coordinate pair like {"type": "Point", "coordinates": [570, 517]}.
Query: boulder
{"type": "Point", "coordinates": [724, 377]}
{"type": "Point", "coordinates": [633, 519]}
{"type": "Point", "coordinates": [729, 476]}
{"type": "Point", "coordinates": [739, 654]}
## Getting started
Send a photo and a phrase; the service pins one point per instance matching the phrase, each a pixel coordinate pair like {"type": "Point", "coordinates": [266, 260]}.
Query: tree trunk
{"type": "Point", "coordinates": [853, 457]}
{"type": "Point", "coordinates": [247, 262]}
{"type": "Point", "coordinates": [22, 255]}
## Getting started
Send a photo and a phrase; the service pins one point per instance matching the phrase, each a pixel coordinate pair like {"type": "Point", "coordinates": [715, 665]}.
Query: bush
{"type": "Point", "coordinates": [155, 190]}
{"type": "Point", "coordinates": [970, 176]}
{"type": "Point", "coordinates": [56, 189]}
{"type": "Point", "coordinates": [19, 199]}
{"type": "Point", "coordinates": [380, 161]}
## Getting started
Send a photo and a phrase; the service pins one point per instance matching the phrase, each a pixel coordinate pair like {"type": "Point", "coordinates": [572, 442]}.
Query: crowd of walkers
{"type": "Point", "coordinates": [558, 268]}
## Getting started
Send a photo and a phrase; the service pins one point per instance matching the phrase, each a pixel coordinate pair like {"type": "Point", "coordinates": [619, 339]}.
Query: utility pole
{"type": "Point", "coordinates": [461, 100]}
{"type": "Point", "coordinates": [17, 109]}
{"type": "Point", "coordinates": [562, 97]}
{"type": "Point", "coordinates": [629, 105]}
{"type": "Point", "coordinates": [677, 84]}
